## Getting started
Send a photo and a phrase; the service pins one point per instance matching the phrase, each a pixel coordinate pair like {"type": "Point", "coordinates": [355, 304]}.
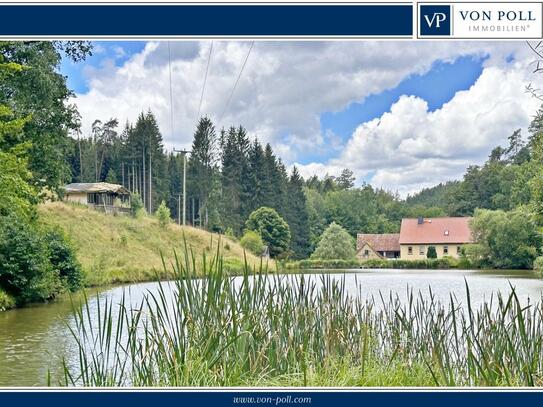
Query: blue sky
{"type": "Point", "coordinates": [437, 87]}
{"type": "Point", "coordinates": [441, 105]}
{"type": "Point", "coordinates": [117, 52]}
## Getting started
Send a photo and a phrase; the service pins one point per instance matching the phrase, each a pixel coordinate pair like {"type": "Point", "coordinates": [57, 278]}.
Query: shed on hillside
{"type": "Point", "coordinates": [99, 195]}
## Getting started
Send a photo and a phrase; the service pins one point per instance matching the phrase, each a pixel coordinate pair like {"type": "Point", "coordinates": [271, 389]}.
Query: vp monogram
{"type": "Point", "coordinates": [437, 19]}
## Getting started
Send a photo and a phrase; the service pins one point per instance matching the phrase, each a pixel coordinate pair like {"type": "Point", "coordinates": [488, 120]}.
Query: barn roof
{"type": "Point", "coordinates": [435, 230]}
{"type": "Point", "coordinates": [90, 187]}
{"type": "Point", "coordinates": [387, 242]}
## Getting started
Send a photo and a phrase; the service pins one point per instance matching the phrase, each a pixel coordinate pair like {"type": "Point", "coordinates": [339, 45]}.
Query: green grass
{"type": "Point", "coordinates": [121, 249]}
{"type": "Point", "coordinates": [213, 332]}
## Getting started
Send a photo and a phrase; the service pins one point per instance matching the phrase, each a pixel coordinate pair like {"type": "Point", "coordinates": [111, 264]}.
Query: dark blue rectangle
{"type": "Point", "coordinates": [272, 398]}
{"type": "Point", "coordinates": [206, 20]}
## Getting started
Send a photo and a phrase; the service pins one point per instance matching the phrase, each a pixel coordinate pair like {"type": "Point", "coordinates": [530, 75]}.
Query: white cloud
{"type": "Point", "coordinates": [409, 148]}
{"type": "Point", "coordinates": [286, 86]}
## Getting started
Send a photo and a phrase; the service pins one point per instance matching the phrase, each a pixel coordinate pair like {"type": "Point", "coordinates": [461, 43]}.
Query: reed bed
{"type": "Point", "coordinates": [271, 329]}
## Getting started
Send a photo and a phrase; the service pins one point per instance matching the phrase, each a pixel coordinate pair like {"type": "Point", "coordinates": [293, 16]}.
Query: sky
{"type": "Point", "coordinates": [402, 115]}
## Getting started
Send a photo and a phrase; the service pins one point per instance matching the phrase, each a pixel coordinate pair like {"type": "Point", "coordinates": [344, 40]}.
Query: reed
{"type": "Point", "coordinates": [270, 329]}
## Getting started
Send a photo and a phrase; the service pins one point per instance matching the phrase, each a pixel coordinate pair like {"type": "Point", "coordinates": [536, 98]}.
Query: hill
{"type": "Point", "coordinates": [436, 196]}
{"type": "Point", "coordinates": [118, 249]}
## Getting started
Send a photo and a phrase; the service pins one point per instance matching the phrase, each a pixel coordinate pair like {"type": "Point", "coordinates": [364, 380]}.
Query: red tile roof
{"type": "Point", "coordinates": [388, 242]}
{"type": "Point", "coordinates": [435, 230]}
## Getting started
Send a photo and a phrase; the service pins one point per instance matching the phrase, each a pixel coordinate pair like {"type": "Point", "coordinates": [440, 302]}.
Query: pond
{"type": "Point", "coordinates": [34, 339]}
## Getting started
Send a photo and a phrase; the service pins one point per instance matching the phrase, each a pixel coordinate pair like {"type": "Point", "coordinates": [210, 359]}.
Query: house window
{"type": "Point", "coordinates": [410, 250]}
{"type": "Point", "coordinates": [91, 198]}
{"type": "Point", "coordinates": [421, 250]}
{"type": "Point", "coordinates": [445, 250]}
{"type": "Point", "coordinates": [458, 249]}
{"type": "Point", "coordinates": [366, 253]}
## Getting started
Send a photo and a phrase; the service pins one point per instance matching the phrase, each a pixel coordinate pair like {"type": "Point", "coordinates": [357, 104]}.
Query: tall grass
{"type": "Point", "coordinates": [270, 329]}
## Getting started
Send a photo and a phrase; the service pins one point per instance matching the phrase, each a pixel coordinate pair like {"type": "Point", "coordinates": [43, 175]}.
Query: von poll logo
{"type": "Point", "coordinates": [473, 20]}
{"type": "Point", "coordinates": [435, 20]}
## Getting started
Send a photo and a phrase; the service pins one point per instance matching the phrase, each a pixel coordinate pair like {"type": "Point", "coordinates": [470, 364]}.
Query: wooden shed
{"type": "Point", "coordinates": [99, 195]}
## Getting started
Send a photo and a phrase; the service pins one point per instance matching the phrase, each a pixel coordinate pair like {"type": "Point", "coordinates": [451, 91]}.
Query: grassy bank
{"type": "Point", "coordinates": [120, 249]}
{"type": "Point", "coordinates": [289, 330]}
{"type": "Point", "coordinates": [444, 263]}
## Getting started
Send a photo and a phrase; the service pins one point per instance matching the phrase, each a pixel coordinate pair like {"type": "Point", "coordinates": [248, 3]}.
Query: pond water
{"type": "Point", "coordinates": [34, 339]}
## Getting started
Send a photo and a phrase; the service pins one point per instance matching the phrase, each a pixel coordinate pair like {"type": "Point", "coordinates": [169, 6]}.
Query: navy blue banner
{"type": "Point", "coordinates": [271, 20]}
{"type": "Point", "coordinates": [270, 398]}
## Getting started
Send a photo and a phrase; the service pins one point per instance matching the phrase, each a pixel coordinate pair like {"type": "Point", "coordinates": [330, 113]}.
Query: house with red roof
{"type": "Point", "coordinates": [447, 235]}
{"type": "Point", "coordinates": [378, 246]}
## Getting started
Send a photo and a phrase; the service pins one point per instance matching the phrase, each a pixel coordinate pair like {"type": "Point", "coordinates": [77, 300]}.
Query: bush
{"type": "Point", "coordinates": [504, 239]}
{"type": "Point", "coordinates": [431, 253]}
{"type": "Point", "coordinates": [63, 259]}
{"type": "Point", "coordinates": [136, 205]}
{"type": "Point", "coordinates": [229, 233]}
{"type": "Point", "coordinates": [35, 263]}
{"type": "Point", "coordinates": [26, 272]}
{"type": "Point", "coordinates": [163, 215]}
{"type": "Point", "coordinates": [335, 243]}
{"type": "Point", "coordinates": [253, 242]}
{"type": "Point", "coordinates": [443, 263]}
{"type": "Point", "coordinates": [6, 301]}
{"type": "Point", "coordinates": [538, 265]}
{"type": "Point", "coordinates": [273, 229]}
{"type": "Point", "coordinates": [233, 266]}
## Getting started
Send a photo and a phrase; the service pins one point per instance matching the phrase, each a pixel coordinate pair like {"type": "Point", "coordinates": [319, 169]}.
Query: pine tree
{"type": "Point", "coordinates": [274, 184]}
{"type": "Point", "coordinates": [346, 179]}
{"type": "Point", "coordinates": [297, 216]}
{"type": "Point", "coordinates": [234, 165]}
{"type": "Point", "coordinates": [145, 157]}
{"type": "Point", "coordinates": [254, 180]}
{"type": "Point", "coordinates": [203, 168]}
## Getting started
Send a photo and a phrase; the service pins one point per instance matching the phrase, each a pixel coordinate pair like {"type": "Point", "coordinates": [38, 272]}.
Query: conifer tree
{"type": "Point", "coordinates": [203, 168]}
{"type": "Point", "coordinates": [297, 216]}
{"type": "Point", "coordinates": [234, 165]}
{"type": "Point", "coordinates": [254, 180]}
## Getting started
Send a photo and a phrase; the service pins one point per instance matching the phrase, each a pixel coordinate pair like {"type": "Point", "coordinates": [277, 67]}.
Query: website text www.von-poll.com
{"type": "Point", "coordinates": [272, 400]}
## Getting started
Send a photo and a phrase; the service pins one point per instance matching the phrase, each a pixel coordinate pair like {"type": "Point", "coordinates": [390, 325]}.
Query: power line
{"type": "Point", "coordinates": [235, 84]}
{"type": "Point", "coordinates": [205, 80]}
{"type": "Point", "coordinates": [171, 93]}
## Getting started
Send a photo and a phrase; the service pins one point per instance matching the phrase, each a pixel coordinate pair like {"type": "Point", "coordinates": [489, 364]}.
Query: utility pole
{"type": "Point", "coordinates": [80, 156]}
{"type": "Point", "coordinates": [184, 152]}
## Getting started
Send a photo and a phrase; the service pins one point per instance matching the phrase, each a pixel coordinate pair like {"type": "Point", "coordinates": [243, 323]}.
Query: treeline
{"type": "Point", "coordinates": [229, 175]}
{"type": "Point", "coordinates": [510, 178]}
{"type": "Point", "coordinates": [37, 262]}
